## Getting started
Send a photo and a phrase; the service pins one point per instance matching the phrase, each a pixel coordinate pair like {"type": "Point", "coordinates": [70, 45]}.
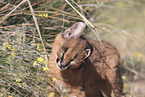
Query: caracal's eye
{"type": "Point", "coordinates": [75, 56]}
{"type": "Point", "coordinates": [65, 50]}
{"type": "Point", "coordinates": [57, 60]}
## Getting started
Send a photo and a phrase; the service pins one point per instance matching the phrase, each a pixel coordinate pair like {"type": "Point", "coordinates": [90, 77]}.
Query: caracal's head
{"type": "Point", "coordinates": [73, 49]}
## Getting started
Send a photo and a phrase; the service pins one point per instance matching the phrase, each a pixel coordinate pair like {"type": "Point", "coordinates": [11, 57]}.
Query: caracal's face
{"type": "Point", "coordinates": [71, 54]}
{"type": "Point", "coordinates": [72, 48]}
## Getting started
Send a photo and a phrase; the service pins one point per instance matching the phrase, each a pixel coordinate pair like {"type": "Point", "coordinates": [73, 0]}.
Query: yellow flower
{"type": "Point", "coordinates": [44, 62]}
{"type": "Point", "coordinates": [14, 48]}
{"type": "Point", "coordinates": [24, 84]}
{"type": "Point", "coordinates": [54, 79]}
{"type": "Point", "coordinates": [124, 63]}
{"type": "Point", "coordinates": [19, 85]}
{"type": "Point", "coordinates": [40, 60]}
{"type": "Point", "coordinates": [140, 55]}
{"type": "Point", "coordinates": [38, 46]}
{"type": "Point", "coordinates": [8, 45]}
{"type": "Point", "coordinates": [124, 77]}
{"type": "Point", "coordinates": [45, 69]}
{"type": "Point", "coordinates": [13, 54]}
{"type": "Point", "coordinates": [40, 14]}
{"type": "Point", "coordinates": [45, 15]}
{"type": "Point", "coordinates": [18, 80]}
{"type": "Point", "coordinates": [137, 54]}
{"type": "Point", "coordinates": [51, 94]}
{"type": "Point", "coordinates": [10, 96]}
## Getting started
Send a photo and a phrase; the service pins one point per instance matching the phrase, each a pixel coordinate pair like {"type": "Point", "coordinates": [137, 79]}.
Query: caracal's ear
{"type": "Point", "coordinates": [88, 50]}
{"type": "Point", "coordinates": [74, 31]}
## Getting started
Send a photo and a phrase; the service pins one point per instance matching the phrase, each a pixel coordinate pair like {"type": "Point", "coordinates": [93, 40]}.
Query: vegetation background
{"type": "Point", "coordinates": [24, 51]}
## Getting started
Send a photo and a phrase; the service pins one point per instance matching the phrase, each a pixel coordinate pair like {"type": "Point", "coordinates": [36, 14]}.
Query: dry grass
{"type": "Point", "coordinates": [21, 43]}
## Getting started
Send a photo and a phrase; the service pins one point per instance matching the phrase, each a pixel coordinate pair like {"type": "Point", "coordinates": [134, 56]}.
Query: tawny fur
{"type": "Point", "coordinates": [96, 76]}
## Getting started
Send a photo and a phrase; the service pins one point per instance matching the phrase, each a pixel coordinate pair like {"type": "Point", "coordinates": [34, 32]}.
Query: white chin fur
{"type": "Point", "coordinates": [65, 68]}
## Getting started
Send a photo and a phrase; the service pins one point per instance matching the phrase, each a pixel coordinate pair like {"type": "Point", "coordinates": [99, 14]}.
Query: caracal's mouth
{"type": "Point", "coordinates": [62, 67]}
